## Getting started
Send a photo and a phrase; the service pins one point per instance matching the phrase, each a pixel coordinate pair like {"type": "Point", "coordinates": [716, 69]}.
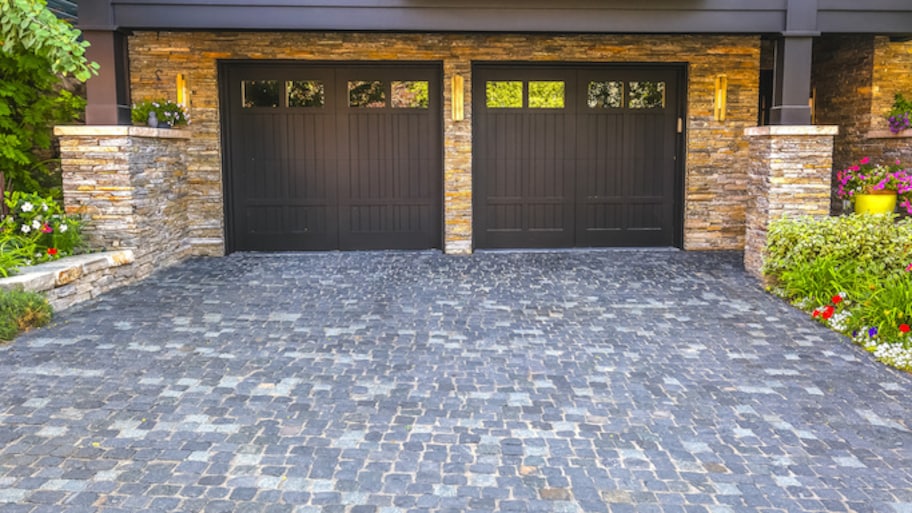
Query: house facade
{"type": "Point", "coordinates": [461, 125]}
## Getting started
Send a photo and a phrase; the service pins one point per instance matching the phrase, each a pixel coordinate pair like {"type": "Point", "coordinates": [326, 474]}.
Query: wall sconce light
{"type": "Point", "coordinates": [720, 98]}
{"type": "Point", "coordinates": [458, 97]}
{"type": "Point", "coordinates": [183, 94]}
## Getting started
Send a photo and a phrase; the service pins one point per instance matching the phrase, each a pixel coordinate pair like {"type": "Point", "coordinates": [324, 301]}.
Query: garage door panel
{"type": "Point", "coordinates": [316, 164]}
{"type": "Point", "coordinates": [590, 165]}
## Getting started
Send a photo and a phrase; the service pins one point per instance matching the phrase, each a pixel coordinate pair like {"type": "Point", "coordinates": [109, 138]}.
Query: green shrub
{"type": "Point", "coordinates": [852, 273]}
{"type": "Point", "coordinates": [21, 311]}
{"type": "Point", "coordinates": [876, 243]}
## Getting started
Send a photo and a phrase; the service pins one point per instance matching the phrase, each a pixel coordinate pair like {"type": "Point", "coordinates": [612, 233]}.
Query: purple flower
{"type": "Point", "coordinates": [872, 332]}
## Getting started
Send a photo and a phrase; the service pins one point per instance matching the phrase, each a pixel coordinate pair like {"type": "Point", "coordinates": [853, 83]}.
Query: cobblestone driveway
{"type": "Point", "coordinates": [392, 382]}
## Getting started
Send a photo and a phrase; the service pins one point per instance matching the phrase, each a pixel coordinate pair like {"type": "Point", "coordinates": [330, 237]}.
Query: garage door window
{"type": "Point", "coordinates": [646, 95]}
{"type": "Point", "coordinates": [504, 95]}
{"type": "Point", "coordinates": [260, 93]}
{"type": "Point", "coordinates": [606, 95]}
{"type": "Point", "coordinates": [411, 94]}
{"type": "Point", "coordinates": [369, 94]}
{"type": "Point", "coordinates": [546, 95]}
{"type": "Point", "coordinates": [304, 93]}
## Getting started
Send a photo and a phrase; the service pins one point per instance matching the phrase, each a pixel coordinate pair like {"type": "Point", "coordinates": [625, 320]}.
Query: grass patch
{"type": "Point", "coordinates": [21, 311]}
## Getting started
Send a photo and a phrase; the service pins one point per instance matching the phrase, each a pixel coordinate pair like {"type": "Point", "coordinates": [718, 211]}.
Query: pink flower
{"type": "Point", "coordinates": [47, 228]}
{"type": "Point", "coordinates": [864, 160]}
{"type": "Point", "coordinates": [909, 268]}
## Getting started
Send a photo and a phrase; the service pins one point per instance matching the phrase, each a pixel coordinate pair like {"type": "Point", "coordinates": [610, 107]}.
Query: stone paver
{"type": "Point", "coordinates": [579, 381]}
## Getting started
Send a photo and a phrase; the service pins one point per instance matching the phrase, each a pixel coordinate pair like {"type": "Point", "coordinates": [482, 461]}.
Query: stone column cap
{"type": "Point", "coordinates": [122, 130]}
{"type": "Point", "coordinates": [768, 130]}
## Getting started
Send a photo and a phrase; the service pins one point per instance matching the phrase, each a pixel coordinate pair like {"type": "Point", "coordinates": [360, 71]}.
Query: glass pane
{"type": "Point", "coordinates": [546, 95]}
{"type": "Point", "coordinates": [504, 95]}
{"type": "Point", "coordinates": [606, 95]}
{"type": "Point", "coordinates": [366, 94]}
{"type": "Point", "coordinates": [410, 95]}
{"type": "Point", "coordinates": [304, 93]}
{"type": "Point", "coordinates": [260, 93]}
{"type": "Point", "coordinates": [646, 95]}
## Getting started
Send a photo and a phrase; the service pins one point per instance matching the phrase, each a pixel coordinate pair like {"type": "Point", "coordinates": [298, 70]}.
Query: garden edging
{"type": "Point", "coordinates": [71, 280]}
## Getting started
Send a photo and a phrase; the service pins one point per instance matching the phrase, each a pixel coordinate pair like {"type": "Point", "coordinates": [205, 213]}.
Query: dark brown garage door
{"type": "Point", "coordinates": [575, 156]}
{"type": "Point", "coordinates": [332, 157]}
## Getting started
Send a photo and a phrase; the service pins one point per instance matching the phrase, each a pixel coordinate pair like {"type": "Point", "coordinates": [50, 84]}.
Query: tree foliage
{"type": "Point", "coordinates": [36, 50]}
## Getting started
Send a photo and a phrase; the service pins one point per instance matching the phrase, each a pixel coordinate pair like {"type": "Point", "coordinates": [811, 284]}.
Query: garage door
{"type": "Point", "coordinates": [332, 157]}
{"type": "Point", "coordinates": [575, 156]}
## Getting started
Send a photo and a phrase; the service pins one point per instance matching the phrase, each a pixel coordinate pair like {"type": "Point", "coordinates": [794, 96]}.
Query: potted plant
{"type": "Point", "coordinates": [899, 114]}
{"type": "Point", "coordinates": [159, 114]}
{"type": "Point", "coordinates": [875, 188]}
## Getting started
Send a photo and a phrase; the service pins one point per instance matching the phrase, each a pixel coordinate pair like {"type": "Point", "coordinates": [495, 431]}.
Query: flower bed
{"type": "Point", "coordinates": [852, 273]}
{"type": "Point", "coordinates": [34, 230]}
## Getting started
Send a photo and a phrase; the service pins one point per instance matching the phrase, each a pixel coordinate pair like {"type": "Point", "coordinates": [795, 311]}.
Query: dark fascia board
{"type": "Point", "coordinates": [649, 16]}
{"type": "Point", "coordinates": [865, 17]}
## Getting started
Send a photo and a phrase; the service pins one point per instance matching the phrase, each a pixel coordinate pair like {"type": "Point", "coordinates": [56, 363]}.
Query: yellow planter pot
{"type": "Point", "coordinates": [875, 203]}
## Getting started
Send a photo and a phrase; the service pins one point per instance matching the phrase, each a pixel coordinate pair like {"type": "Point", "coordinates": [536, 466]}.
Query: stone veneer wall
{"type": "Point", "coordinates": [717, 155]}
{"type": "Point", "coordinates": [855, 78]}
{"type": "Point", "coordinates": [129, 186]}
{"type": "Point", "coordinates": [789, 175]}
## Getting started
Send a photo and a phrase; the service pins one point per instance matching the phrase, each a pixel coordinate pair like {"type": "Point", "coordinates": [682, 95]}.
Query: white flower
{"type": "Point", "coordinates": [44, 207]}
{"type": "Point", "coordinates": [27, 207]}
{"type": "Point", "coordinates": [26, 228]}
{"type": "Point", "coordinates": [36, 224]}
{"type": "Point", "coordinates": [62, 228]}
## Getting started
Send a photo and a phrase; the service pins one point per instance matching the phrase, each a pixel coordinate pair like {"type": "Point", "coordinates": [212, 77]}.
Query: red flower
{"type": "Point", "coordinates": [816, 313]}
{"type": "Point", "coordinates": [828, 312]}
{"type": "Point", "coordinates": [52, 251]}
{"type": "Point", "coordinates": [904, 328]}
{"type": "Point", "coordinates": [837, 299]}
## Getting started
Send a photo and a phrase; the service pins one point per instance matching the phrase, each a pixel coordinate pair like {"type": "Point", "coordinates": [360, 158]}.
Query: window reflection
{"type": "Point", "coordinates": [546, 95]}
{"type": "Point", "coordinates": [606, 95]}
{"type": "Point", "coordinates": [646, 95]}
{"type": "Point", "coordinates": [504, 95]}
{"type": "Point", "coordinates": [368, 94]}
{"type": "Point", "coordinates": [409, 94]}
{"type": "Point", "coordinates": [260, 93]}
{"type": "Point", "coordinates": [304, 93]}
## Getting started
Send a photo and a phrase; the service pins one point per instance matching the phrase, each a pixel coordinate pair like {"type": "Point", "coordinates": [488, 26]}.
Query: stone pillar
{"type": "Point", "coordinates": [457, 181]}
{"type": "Point", "coordinates": [789, 174]}
{"type": "Point", "coordinates": [128, 184]}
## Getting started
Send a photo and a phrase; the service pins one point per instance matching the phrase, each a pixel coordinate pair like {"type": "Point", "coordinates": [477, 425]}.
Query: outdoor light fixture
{"type": "Point", "coordinates": [458, 97]}
{"type": "Point", "coordinates": [720, 98]}
{"type": "Point", "coordinates": [183, 94]}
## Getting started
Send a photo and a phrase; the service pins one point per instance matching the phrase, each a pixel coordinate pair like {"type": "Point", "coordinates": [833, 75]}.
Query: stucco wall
{"type": "Point", "coordinates": [717, 155]}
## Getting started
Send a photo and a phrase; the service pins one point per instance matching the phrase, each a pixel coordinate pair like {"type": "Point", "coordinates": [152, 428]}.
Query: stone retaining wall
{"type": "Point", "coordinates": [72, 280]}
{"type": "Point", "coordinates": [716, 156]}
